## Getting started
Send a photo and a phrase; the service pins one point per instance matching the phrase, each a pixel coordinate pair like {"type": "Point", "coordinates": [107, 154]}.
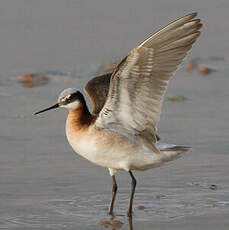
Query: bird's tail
{"type": "Point", "coordinates": [171, 151]}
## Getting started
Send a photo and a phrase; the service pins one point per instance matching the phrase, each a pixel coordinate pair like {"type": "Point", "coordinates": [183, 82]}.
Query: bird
{"type": "Point", "coordinates": [121, 131]}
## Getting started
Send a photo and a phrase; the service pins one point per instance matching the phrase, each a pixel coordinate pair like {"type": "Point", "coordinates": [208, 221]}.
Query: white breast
{"type": "Point", "coordinates": [86, 147]}
{"type": "Point", "coordinates": [102, 150]}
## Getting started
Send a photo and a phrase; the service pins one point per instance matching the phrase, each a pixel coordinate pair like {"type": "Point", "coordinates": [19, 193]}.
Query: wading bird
{"type": "Point", "coordinates": [120, 134]}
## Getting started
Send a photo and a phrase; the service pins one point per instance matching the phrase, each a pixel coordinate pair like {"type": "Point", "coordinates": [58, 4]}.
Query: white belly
{"type": "Point", "coordinates": [116, 152]}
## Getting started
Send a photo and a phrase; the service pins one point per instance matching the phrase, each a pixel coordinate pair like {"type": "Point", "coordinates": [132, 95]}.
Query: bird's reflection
{"type": "Point", "coordinates": [113, 223]}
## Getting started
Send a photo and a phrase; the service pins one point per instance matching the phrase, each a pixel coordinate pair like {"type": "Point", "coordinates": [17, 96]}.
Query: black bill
{"type": "Point", "coordinates": [49, 108]}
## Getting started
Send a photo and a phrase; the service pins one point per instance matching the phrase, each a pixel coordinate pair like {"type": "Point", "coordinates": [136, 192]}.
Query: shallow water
{"type": "Point", "coordinates": [43, 184]}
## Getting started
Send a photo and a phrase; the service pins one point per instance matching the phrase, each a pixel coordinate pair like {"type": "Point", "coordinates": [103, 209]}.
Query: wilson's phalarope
{"type": "Point", "coordinates": [121, 132]}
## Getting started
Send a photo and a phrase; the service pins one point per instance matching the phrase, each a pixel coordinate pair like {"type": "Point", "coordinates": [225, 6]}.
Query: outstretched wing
{"type": "Point", "coordinates": [97, 90]}
{"type": "Point", "coordinates": [139, 82]}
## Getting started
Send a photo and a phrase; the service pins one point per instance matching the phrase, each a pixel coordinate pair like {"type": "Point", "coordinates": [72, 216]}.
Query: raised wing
{"type": "Point", "coordinates": [139, 82]}
{"type": "Point", "coordinates": [97, 90]}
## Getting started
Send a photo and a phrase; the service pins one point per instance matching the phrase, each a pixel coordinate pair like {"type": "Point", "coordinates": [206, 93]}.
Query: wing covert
{"type": "Point", "coordinates": [97, 90]}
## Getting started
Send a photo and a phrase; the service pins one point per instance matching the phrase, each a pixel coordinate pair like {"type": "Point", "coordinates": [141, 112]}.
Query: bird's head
{"type": "Point", "coordinates": [70, 98]}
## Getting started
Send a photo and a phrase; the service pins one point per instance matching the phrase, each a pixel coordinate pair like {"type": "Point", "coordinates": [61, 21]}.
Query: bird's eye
{"type": "Point", "coordinates": [68, 98]}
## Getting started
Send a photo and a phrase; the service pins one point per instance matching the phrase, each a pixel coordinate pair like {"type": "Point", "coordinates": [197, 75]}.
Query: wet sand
{"type": "Point", "coordinates": [43, 184]}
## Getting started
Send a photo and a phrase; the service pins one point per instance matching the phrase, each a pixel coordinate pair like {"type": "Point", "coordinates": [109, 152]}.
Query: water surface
{"type": "Point", "coordinates": [43, 184]}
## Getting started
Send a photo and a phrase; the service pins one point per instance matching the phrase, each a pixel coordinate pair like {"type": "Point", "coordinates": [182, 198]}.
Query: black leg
{"type": "Point", "coordinates": [130, 223]}
{"type": "Point", "coordinates": [114, 190]}
{"type": "Point", "coordinates": [133, 185]}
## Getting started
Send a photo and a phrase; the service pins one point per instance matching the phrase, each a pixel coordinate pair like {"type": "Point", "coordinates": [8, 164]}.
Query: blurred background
{"type": "Point", "coordinates": [49, 45]}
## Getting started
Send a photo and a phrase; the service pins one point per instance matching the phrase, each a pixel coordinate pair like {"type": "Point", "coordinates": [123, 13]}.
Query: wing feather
{"type": "Point", "coordinates": [97, 90]}
{"type": "Point", "coordinates": [139, 82]}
